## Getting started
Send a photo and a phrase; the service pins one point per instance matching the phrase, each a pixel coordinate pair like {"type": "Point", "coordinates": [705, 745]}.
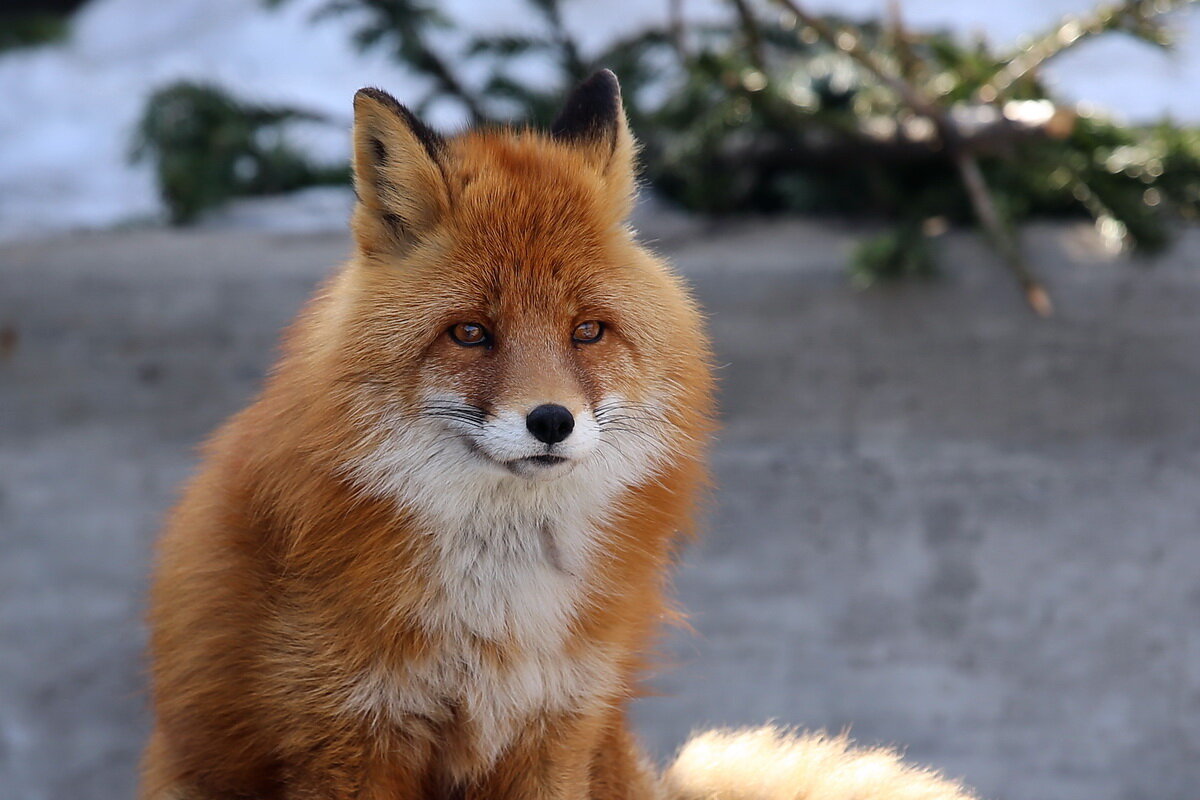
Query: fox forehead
{"type": "Point", "coordinates": [520, 198]}
{"type": "Point", "coordinates": [528, 234]}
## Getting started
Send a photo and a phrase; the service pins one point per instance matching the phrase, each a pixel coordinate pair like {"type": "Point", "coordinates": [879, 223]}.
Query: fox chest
{"type": "Point", "coordinates": [501, 604]}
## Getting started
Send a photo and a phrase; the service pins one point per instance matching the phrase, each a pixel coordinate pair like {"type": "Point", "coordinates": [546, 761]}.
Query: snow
{"type": "Point", "coordinates": [67, 110]}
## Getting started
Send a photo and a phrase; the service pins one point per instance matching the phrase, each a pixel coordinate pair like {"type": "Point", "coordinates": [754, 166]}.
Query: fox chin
{"type": "Point", "coordinates": [429, 560]}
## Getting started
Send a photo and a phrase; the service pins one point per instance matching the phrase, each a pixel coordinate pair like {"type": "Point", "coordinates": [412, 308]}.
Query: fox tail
{"type": "Point", "coordinates": [770, 764]}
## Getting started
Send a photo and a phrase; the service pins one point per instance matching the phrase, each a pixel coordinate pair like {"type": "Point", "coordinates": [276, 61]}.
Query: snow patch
{"type": "Point", "coordinates": [69, 109]}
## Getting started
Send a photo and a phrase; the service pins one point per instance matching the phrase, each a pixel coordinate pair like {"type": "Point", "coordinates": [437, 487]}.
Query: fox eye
{"type": "Point", "coordinates": [588, 332]}
{"type": "Point", "coordinates": [470, 334]}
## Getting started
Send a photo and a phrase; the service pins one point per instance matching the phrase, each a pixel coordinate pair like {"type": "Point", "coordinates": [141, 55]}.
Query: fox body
{"type": "Point", "coordinates": [428, 561]}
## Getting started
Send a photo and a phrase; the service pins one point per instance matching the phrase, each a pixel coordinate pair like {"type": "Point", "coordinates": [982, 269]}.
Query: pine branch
{"type": "Point", "coordinates": [901, 41]}
{"type": "Point", "coordinates": [1138, 17]}
{"type": "Point", "coordinates": [677, 30]}
{"type": "Point", "coordinates": [405, 23]}
{"type": "Point", "coordinates": [753, 38]}
{"type": "Point", "coordinates": [881, 140]}
{"type": "Point", "coordinates": [849, 44]}
{"type": "Point", "coordinates": [432, 64]}
{"type": "Point", "coordinates": [573, 62]}
{"type": "Point", "coordinates": [965, 163]}
{"type": "Point", "coordinates": [1002, 238]}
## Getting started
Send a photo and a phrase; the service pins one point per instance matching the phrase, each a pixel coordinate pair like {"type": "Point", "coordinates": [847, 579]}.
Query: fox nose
{"type": "Point", "coordinates": [550, 423]}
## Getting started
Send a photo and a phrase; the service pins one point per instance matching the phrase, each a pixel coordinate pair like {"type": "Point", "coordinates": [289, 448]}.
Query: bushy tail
{"type": "Point", "coordinates": [769, 764]}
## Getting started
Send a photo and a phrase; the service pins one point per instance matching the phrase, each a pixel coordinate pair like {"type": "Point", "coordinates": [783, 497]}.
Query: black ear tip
{"type": "Point", "coordinates": [600, 89]}
{"type": "Point", "coordinates": [605, 78]}
{"type": "Point", "coordinates": [591, 109]}
{"type": "Point", "coordinates": [429, 138]}
{"type": "Point", "coordinates": [379, 96]}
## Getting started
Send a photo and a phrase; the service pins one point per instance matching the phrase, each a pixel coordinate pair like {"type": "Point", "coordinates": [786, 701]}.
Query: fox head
{"type": "Point", "coordinates": [499, 323]}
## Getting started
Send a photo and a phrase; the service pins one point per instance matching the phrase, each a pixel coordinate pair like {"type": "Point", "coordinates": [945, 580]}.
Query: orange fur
{"type": "Point", "coordinates": [290, 589]}
{"type": "Point", "coordinates": [369, 590]}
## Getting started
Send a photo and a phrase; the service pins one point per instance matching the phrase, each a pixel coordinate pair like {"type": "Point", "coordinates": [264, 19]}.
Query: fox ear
{"type": "Point", "coordinates": [593, 120]}
{"type": "Point", "coordinates": [398, 176]}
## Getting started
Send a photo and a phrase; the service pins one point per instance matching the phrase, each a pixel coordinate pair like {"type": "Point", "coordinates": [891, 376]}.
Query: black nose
{"type": "Point", "coordinates": [550, 423]}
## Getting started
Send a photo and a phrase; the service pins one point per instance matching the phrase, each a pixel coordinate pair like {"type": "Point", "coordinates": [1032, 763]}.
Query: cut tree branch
{"type": "Point", "coordinates": [975, 185]}
{"type": "Point", "coordinates": [1002, 239]}
{"type": "Point", "coordinates": [1135, 16]}
{"type": "Point", "coordinates": [982, 131]}
{"type": "Point", "coordinates": [676, 31]}
{"type": "Point", "coordinates": [753, 37]}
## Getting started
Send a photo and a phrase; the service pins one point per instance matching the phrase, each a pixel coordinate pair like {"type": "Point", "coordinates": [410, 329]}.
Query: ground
{"type": "Point", "coordinates": [938, 521]}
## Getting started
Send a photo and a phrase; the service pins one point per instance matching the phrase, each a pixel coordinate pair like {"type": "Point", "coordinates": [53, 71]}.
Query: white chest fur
{"type": "Point", "coordinates": [512, 562]}
{"type": "Point", "coordinates": [520, 585]}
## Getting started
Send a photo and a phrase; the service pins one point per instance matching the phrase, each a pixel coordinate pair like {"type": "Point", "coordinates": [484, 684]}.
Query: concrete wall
{"type": "Point", "coordinates": [939, 522]}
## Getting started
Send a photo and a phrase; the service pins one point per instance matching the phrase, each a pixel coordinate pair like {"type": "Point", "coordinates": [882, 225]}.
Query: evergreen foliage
{"type": "Point", "coordinates": [782, 110]}
{"type": "Point", "coordinates": [32, 23]}
{"type": "Point", "coordinates": [208, 147]}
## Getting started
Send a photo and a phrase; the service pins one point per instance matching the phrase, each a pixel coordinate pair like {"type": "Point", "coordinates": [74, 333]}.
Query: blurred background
{"type": "Point", "coordinates": [949, 257]}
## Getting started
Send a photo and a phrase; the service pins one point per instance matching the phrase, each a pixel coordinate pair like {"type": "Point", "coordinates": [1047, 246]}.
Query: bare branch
{"type": "Point", "coordinates": [1135, 16]}
{"type": "Point", "coordinates": [1002, 239]}
{"type": "Point", "coordinates": [753, 36]}
{"type": "Point", "coordinates": [952, 138]}
{"type": "Point", "coordinates": [847, 43]}
{"type": "Point", "coordinates": [675, 28]}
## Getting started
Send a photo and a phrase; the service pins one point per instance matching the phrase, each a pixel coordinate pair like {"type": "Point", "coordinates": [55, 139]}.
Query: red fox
{"type": "Point", "coordinates": [428, 561]}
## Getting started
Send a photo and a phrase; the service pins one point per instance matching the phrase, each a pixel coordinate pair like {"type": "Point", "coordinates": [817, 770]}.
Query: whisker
{"type": "Point", "coordinates": [465, 413]}
{"type": "Point", "coordinates": [642, 435]}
